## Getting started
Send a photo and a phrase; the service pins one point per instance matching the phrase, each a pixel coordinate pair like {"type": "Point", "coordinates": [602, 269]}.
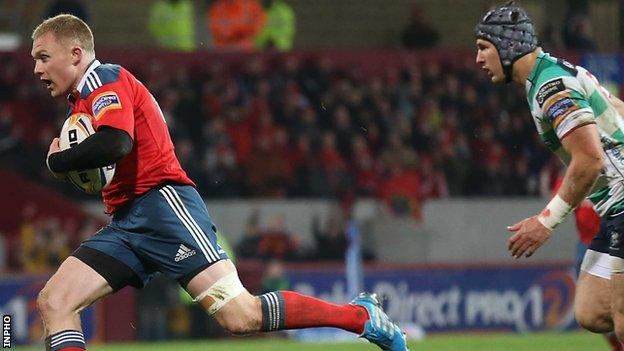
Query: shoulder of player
{"type": "Point", "coordinates": [551, 81]}
{"type": "Point", "coordinates": [102, 75]}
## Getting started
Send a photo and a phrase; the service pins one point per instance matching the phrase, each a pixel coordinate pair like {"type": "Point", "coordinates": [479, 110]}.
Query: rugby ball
{"type": "Point", "coordinates": [76, 129]}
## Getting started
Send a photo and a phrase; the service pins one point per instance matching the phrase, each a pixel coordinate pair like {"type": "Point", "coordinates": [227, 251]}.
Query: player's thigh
{"type": "Point", "coordinates": [593, 288]}
{"type": "Point", "coordinates": [171, 230]}
{"type": "Point", "coordinates": [617, 287]}
{"type": "Point", "coordinates": [593, 294]}
{"type": "Point", "coordinates": [73, 287]}
{"type": "Point", "coordinates": [592, 302]}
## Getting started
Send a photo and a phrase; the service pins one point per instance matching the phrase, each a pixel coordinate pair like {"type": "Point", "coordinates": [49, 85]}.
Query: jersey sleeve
{"type": "Point", "coordinates": [112, 106]}
{"type": "Point", "coordinates": [562, 104]}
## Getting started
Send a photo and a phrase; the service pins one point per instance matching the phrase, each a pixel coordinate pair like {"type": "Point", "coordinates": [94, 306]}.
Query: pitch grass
{"type": "Point", "coordinates": [570, 341]}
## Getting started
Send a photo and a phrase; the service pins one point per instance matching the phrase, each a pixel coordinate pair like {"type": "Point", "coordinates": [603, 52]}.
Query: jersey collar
{"type": "Point", "coordinates": [535, 69]}
{"type": "Point", "coordinates": [94, 64]}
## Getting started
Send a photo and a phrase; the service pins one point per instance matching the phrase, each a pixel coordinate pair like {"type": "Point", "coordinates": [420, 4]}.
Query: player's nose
{"type": "Point", "coordinates": [479, 57]}
{"type": "Point", "coordinates": [38, 69]}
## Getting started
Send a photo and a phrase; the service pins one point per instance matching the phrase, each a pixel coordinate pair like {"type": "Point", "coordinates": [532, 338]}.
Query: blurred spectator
{"type": "Point", "coordinates": [172, 24]}
{"type": "Point", "coordinates": [71, 7]}
{"type": "Point", "coordinates": [248, 246]}
{"type": "Point", "coordinates": [8, 133]}
{"type": "Point", "coordinates": [549, 38]}
{"type": "Point", "coordinates": [276, 242]}
{"type": "Point", "coordinates": [44, 245]}
{"type": "Point", "coordinates": [235, 23]}
{"type": "Point", "coordinates": [273, 277]}
{"type": "Point", "coordinates": [577, 32]}
{"type": "Point", "coordinates": [418, 34]}
{"type": "Point", "coordinates": [280, 27]}
{"type": "Point", "coordinates": [433, 181]}
{"type": "Point", "coordinates": [277, 127]}
{"type": "Point", "coordinates": [331, 239]}
{"type": "Point", "coordinates": [267, 169]}
{"type": "Point", "coordinates": [333, 164]}
{"type": "Point", "coordinates": [154, 302]}
{"type": "Point", "coordinates": [401, 191]}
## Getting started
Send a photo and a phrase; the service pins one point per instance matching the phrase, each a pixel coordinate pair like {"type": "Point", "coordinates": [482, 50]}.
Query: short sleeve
{"type": "Point", "coordinates": [563, 106]}
{"type": "Point", "coordinates": [111, 105]}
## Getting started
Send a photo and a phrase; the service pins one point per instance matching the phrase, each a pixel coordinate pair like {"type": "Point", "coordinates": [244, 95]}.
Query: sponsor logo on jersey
{"type": "Point", "coordinates": [549, 89]}
{"type": "Point", "coordinates": [559, 109]}
{"type": "Point", "coordinates": [103, 102]}
{"type": "Point", "coordinates": [183, 253]}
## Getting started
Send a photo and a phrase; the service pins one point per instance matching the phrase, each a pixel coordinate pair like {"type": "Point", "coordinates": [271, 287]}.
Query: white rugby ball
{"type": "Point", "coordinates": [76, 129]}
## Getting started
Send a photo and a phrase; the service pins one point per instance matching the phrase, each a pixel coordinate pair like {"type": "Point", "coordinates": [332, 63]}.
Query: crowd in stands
{"type": "Point", "coordinates": [295, 127]}
{"type": "Point", "coordinates": [42, 242]}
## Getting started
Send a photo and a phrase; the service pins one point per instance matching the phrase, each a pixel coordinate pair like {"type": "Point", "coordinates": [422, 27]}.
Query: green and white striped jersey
{"type": "Point", "coordinates": [563, 97]}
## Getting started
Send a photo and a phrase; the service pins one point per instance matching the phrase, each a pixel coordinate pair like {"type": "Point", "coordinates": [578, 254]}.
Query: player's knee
{"type": "Point", "coordinates": [240, 325]}
{"type": "Point", "coordinates": [242, 317]}
{"type": "Point", "coordinates": [593, 321]}
{"type": "Point", "coordinates": [51, 303]}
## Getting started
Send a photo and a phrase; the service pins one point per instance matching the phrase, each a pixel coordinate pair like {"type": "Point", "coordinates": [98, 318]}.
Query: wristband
{"type": "Point", "coordinates": [554, 213]}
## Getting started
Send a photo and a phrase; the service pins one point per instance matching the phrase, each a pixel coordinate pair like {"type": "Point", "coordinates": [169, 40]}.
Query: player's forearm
{"type": "Point", "coordinates": [579, 179]}
{"type": "Point", "coordinates": [101, 149]}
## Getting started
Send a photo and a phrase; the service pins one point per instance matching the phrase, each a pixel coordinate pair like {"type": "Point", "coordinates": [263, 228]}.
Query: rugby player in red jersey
{"type": "Point", "coordinates": [159, 222]}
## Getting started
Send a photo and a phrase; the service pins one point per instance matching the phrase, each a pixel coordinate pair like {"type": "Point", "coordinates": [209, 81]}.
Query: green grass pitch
{"type": "Point", "coordinates": [572, 341]}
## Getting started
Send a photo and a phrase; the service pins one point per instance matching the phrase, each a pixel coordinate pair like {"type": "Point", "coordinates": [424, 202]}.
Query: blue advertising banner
{"type": "Point", "coordinates": [18, 298]}
{"type": "Point", "coordinates": [446, 299]}
{"type": "Point", "coordinates": [606, 67]}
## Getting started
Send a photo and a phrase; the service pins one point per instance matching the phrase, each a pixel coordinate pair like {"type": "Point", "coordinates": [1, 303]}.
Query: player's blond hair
{"type": "Point", "coordinates": [67, 29]}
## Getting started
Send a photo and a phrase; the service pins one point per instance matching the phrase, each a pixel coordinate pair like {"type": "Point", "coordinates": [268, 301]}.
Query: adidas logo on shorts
{"type": "Point", "coordinates": [183, 252]}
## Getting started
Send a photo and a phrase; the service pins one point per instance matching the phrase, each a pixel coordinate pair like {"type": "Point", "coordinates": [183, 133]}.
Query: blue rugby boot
{"type": "Point", "coordinates": [379, 329]}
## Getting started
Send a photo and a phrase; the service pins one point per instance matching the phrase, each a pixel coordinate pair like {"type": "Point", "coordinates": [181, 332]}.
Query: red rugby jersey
{"type": "Point", "coordinates": [115, 98]}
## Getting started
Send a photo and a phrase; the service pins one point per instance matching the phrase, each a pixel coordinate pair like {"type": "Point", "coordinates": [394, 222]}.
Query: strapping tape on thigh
{"type": "Point", "coordinates": [222, 291]}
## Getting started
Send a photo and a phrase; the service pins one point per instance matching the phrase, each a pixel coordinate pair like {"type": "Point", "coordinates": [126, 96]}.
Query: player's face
{"type": "Point", "coordinates": [56, 64]}
{"type": "Point", "coordinates": [487, 57]}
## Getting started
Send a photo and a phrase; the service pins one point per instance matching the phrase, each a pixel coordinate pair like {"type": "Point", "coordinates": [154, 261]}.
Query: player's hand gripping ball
{"type": "Point", "coordinates": [76, 129]}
